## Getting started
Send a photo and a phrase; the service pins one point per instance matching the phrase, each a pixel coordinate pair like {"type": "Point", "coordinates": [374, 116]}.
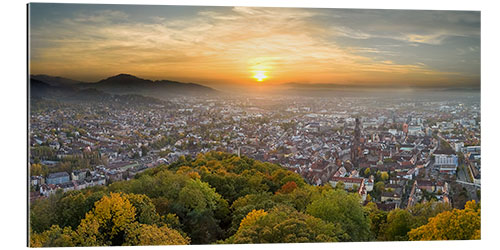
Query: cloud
{"type": "Point", "coordinates": [228, 45]}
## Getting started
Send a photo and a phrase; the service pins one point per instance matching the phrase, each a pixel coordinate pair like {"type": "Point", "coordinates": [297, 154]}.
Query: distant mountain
{"type": "Point", "coordinates": [122, 84]}
{"type": "Point", "coordinates": [125, 83]}
{"type": "Point", "coordinates": [55, 80]}
{"type": "Point", "coordinates": [42, 90]}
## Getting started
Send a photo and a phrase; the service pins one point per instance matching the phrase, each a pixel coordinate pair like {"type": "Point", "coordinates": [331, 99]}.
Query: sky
{"type": "Point", "coordinates": [248, 47]}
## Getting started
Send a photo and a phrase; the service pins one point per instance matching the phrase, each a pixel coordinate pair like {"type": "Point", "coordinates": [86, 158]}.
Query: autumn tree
{"type": "Point", "coordinates": [285, 225]}
{"type": "Point", "coordinates": [144, 208]}
{"type": "Point", "coordinates": [143, 235]}
{"type": "Point", "coordinates": [244, 205]}
{"type": "Point", "coordinates": [36, 169]}
{"type": "Point", "coordinates": [458, 224]}
{"type": "Point", "coordinates": [107, 223]}
{"type": "Point", "coordinates": [422, 212]}
{"type": "Point", "coordinates": [54, 237]}
{"type": "Point", "coordinates": [288, 187]}
{"type": "Point", "coordinates": [384, 176]}
{"type": "Point", "coordinates": [338, 206]}
{"type": "Point", "coordinates": [300, 197]}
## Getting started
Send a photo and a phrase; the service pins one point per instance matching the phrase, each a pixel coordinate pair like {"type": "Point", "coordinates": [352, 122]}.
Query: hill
{"type": "Point", "coordinates": [71, 93]}
{"type": "Point", "coordinates": [55, 80]}
{"type": "Point", "coordinates": [125, 83]}
{"type": "Point", "coordinates": [118, 84]}
{"type": "Point", "coordinates": [39, 89]}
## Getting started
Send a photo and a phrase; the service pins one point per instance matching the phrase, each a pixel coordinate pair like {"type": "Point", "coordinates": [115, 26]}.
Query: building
{"type": "Point", "coordinates": [57, 178]}
{"type": "Point", "coordinates": [472, 149]}
{"type": "Point", "coordinates": [356, 147]}
{"type": "Point", "coordinates": [351, 184]}
{"type": "Point", "coordinates": [77, 175]}
{"type": "Point", "coordinates": [446, 163]}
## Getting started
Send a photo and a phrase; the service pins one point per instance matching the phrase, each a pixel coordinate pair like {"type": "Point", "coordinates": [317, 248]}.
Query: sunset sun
{"type": "Point", "coordinates": [260, 76]}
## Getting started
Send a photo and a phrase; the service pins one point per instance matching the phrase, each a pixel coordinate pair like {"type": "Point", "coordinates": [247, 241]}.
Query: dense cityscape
{"type": "Point", "coordinates": [394, 152]}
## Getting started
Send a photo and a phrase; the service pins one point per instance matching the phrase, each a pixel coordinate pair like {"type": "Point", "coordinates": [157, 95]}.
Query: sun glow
{"type": "Point", "coordinates": [260, 76]}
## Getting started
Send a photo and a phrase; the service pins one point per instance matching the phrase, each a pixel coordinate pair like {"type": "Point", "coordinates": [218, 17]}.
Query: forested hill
{"type": "Point", "coordinates": [222, 198]}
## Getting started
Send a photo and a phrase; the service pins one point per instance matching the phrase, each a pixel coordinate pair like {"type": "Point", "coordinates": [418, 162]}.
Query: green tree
{"type": "Point", "coordinates": [43, 213]}
{"type": "Point", "coordinates": [340, 207]}
{"type": "Point", "coordinates": [377, 219]}
{"type": "Point", "coordinates": [203, 209]}
{"type": "Point", "coordinates": [340, 185]}
{"type": "Point", "coordinates": [367, 172]}
{"type": "Point", "coordinates": [399, 223]}
{"type": "Point", "coordinates": [285, 225]}
{"type": "Point", "coordinates": [244, 205]}
{"type": "Point", "coordinates": [145, 212]}
{"type": "Point", "coordinates": [422, 212]}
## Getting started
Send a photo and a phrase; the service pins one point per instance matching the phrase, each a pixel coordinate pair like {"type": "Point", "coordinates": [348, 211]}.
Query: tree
{"type": "Point", "coordinates": [252, 217]}
{"type": "Point", "coordinates": [422, 212]}
{"type": "Point", "coordinates": [377, 219]}
{"type": "Point", "coordinates": [54, 237]}
{"type": "Point", "coordinates": [399, 223]}
{"type": "Point", "coordinates": [340, 185]}
{"type": "Point", "coordinates": [143, 235]}
{"type": "Point", "coordinates": [285, 225]}
{"type": "Point", "coordinates": [367, 172]}
{"type": "Point", "coordinates": [202, 209]}
{"type": "Point", "coordinates": [71, 209]}
{"type": "Point", "coordinates": [107, 223]}
{"type": "Point", "coordinates": [36, 169]}
{"type": "Point", "coordinates": [300, 197]}
{"type": "Point", "coordinates": [161, 205]}
{"type": "Point", "coordinates": [379, 187]}
{"type": "Point", "coordinates": [338, 206]}
{"type": "Point", "coordinates": [464, 224]}
{"type": "Point", "coordinates": [43, 213]}
{"type": "Point", "coordinates": [288, 187]}
{"type": "Point", "coordinates": [244, 205]}
{"type": "Point", "coordinates": [144, 208]}
{"type": "Point", "coordinates": [384, 176]}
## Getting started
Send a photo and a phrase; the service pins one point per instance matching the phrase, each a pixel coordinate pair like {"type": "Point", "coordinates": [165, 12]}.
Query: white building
{"type": "Point", "coordinates": [446, 163]}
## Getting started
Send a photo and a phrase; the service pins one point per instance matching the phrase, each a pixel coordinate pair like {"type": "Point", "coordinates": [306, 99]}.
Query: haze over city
{"type": "Point", "coordinates": [234, 48]}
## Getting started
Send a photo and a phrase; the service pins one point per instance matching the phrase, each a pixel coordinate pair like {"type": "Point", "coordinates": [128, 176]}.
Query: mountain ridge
{"type": "Point", "coordinates": [129, 84]}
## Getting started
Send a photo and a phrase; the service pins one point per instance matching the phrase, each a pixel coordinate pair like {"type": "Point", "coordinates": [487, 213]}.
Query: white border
{"type": "Point", "coordinates": [13, 122]}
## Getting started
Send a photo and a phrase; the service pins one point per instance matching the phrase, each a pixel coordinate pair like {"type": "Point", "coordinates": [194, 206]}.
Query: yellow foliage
{"type": "Point", "coordinates": [194, 175]}
{"type": "Point", "coordinates": [54, 237]}
{"type": "Point", "coordinates": [252, 217]}
{"type": "Point", "coordinates": [35, 169]}
{"type": "Point", "coordinates": [110, 217]}
{"type": "Point", "coordinates": [183, 170]}
{"type": "Point", "coordinates": [457, 224]}
{"type": "Point", "coordinates": [143, 235]}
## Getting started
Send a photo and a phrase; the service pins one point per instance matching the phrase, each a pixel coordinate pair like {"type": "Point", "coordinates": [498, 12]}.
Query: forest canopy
{"type": "Point", "coordinates": [222, 198]}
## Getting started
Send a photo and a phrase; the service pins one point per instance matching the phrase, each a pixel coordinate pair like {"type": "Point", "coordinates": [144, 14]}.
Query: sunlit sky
{"type": "Point", "coordinates": [224, 47]}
